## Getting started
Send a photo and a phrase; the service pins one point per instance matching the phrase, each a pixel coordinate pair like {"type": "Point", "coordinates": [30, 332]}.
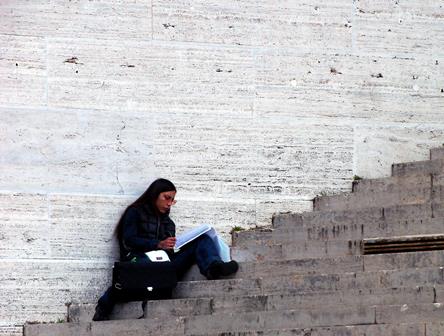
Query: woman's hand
{"type": "Point", "coordinates": [167, 244]}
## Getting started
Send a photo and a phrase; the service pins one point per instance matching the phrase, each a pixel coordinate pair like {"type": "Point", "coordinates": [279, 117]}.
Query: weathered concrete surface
{"type": "Point", "coordinates": [272, 302]}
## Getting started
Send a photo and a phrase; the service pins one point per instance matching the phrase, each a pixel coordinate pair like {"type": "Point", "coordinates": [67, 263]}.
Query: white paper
{"type": "Point", "coordinates": [191, 235]}
{"type": "Point", "coordinates": [222, 248]}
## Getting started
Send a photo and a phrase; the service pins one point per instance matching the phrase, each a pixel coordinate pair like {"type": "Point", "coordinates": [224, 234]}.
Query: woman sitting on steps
{"type": "Point", "coordinates": [145, 226]}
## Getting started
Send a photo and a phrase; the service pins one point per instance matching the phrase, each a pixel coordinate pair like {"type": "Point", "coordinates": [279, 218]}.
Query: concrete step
{"type": "Point", "coordinates": [218, 305]}
{"type": "Point", "coordinates": [390, 214]}
{"type": "Point", "coordinates": [373, 262]}
{"type": "Point", "coordinates": [281, 249]}
{"type": "Point", "coordinates": [289, 319]}
{"type": "Point", "coordinates": [89, 329]}
{"type": "Point", "coordinates": [437, 153]}
{"type": "Point", "coordinates": [431, 167]}
{"type": "Point", "coordinates": [301, 283]}
{"type": "Point", "coordinates": [273, 320]}
{"type": "Point", "coordinates": [410, 329]}
{"type": "Point", "coordinates": [354, 264]}
{"type": "Point", "coordinates": [389, 184]}
{"type": "Point", "coordinates": [321, 241]}
{"type": "Point", "coordinates": [311, 282]}
{"type": "Point", "coordinates": [350, 201]}
{"type": "Point", "coordinates": [173, 326]}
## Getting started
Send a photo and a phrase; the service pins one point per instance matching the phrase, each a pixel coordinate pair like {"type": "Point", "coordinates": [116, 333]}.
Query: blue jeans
{"type": "Point", "coordinates": [201, 251]}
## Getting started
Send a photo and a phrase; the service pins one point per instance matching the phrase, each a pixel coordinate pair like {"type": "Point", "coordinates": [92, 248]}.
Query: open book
{"type": "Point", "coordinates": [185, 238]}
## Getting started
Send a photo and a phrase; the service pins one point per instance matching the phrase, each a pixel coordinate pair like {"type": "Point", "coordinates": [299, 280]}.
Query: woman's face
{"type": "Point", "coordinates": [165, 201]}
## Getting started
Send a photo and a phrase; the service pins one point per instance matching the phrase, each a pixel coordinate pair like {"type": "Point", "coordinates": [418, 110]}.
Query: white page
{"type": "Point", "coordinates": [191, 235]}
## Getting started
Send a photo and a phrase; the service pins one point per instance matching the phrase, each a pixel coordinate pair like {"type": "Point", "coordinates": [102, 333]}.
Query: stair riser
{"type": "Point", "coordinates": [350, 281]}
{"type": "Point", "coordinates": [410, 313]}
{"type": "Point", "coordinates": [390, 184]}
{"type": "Point", "coordinates": [418, 314]}
{"type": "Point", "coordinates": [238, 287]}
{"type": "Point", "coordinates": [306, 283]}
{"type": "Point", "coordinates": [85, 312]}
{"type": "Point", "coordinates": [229, 304]}
{"type": "Point", "coordinates": [291, 249]}
{"type": "Point", "coordinates": [370, 217]}
{"type": "Point", "coordinates": [435, 167]}
{"type": "Point", "coordinates": [278, 320]}
{"type": "Point", "coordinates": [437, 153]}
{"type": "Point", "coordinates": [359, 201]}
{"type": "Point", "coordinates": [358, 330]}
{"type": "Point", "coordinates": [373, 263]}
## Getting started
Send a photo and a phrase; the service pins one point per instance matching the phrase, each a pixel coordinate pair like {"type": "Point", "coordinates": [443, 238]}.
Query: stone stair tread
{"type": "Point", "coordinates": [293, 284]}
{"type": "Point", "coordinates": [393, 213]}
{"type": "Point", "coordinates": [390, 183]}
{"type": "Point", "coordinates": [437, 153]}
{"type": "Point", "coordinates": [348, 201]}
{"type": "Point", "coordinates": [251, 321]}
{"type": "Point", "coordinates": [277, 301]}
{"type": "Point", "coordinates": [175, 326]}
{"type": "Point", "coordinates": [306, 282]}
{"type": "Point", "coordinates": [434, 166]}
{"type": "Point", "coordinates": [339, 316]}
{"type": "Point", "coordinates": [410, 329]}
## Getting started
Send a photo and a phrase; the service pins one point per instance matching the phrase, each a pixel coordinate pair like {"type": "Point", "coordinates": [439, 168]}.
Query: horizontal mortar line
{"type": "Point", "coordinates": [228, 199]}
{"type": "Point", "coordinates": [307, 52]}
{"type": "Point", "coordinates": [350, 121]}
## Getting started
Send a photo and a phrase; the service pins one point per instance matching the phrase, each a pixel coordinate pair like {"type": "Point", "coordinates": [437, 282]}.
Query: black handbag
{"type": "Point", "coordinates": [140, 281]}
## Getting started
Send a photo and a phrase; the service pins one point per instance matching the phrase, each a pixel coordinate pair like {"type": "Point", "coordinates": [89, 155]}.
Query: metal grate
{"type": "Point", "coordinates": [403, 244]}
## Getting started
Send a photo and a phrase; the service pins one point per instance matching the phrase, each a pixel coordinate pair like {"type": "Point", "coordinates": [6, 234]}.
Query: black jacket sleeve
{"type": "Point", "coordinates": [131, 238]}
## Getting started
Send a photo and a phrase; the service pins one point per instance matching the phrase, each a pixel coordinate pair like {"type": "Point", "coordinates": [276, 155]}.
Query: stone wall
{"type": "Point", "coordinates": [249, 107]}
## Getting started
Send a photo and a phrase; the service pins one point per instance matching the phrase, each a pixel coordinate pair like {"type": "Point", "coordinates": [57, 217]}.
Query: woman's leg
{"type": "Point", "coordinates": [105, 305]}
{"type": "Point", "coordinates": [202, 251]}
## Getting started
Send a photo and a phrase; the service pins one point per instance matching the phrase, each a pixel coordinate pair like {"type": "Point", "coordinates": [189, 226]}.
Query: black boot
{"type": "Point", "coordinates": [220, 269]}
{"type": "Point", "coordinates": [100, 314]}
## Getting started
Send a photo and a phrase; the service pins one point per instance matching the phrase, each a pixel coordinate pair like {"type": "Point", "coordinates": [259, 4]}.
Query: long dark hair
{"type": "Point", "coordinates": [148, 198]}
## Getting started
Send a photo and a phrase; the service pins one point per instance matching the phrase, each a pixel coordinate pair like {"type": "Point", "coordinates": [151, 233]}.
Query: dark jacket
{"type": "Point", "coordinates": [142, 231]}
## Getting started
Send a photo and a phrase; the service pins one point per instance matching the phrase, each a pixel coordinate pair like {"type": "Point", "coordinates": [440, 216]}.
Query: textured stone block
{"type": "Point", "coordinates": [431, 312]}
{"type": "Point", "coordinates": [205, 288]}
{"type": "Point", "coordinates": [266, 209]}
{"type": "Point", "coordinates": [38, 290]}
{"type": "Point", "coordinates": [300, 266]}
{"type": "Point", "coordinates": [403, 260]}
{"type": "Point", "coordinates": [75, 151]}
{"type": "Point", "coordinates": [319, 317]}
{"type": "Point", "coordinates": [377, 147]}
{"type": "Point", "coordinates": [129, 76]}
{"type": "Point", "coordinates": [435, 329]}
{"type": "Point", "coordinates": [78, 312]}
{"type": "Point", "coordinates": [398, 30]}
{"type": "Point", "coordinates": [425, 167]}
{"type": "Point", "coordinates": [292, 23]}
{"type": "Point", "coordinates": [437, 153]}
{"type": "Point", "coordinates": [224, 323]}
{"type": "Point", "coordinates": [22, 72]}
{"type": "Point", "coordinates": [180, 307]}
{"type": "Point", "coordinates": [58, 329]}
{"type": "Point", "coordinates": [24, 225]}
{"type": "Point", "coordinates": [11, 330]}
{"type": "Point", "coordinates": [175, 326]}
{"type": "Point", "coordinates": [90, 19]}
{"type": "Point", "coordinates": [421, 194]}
